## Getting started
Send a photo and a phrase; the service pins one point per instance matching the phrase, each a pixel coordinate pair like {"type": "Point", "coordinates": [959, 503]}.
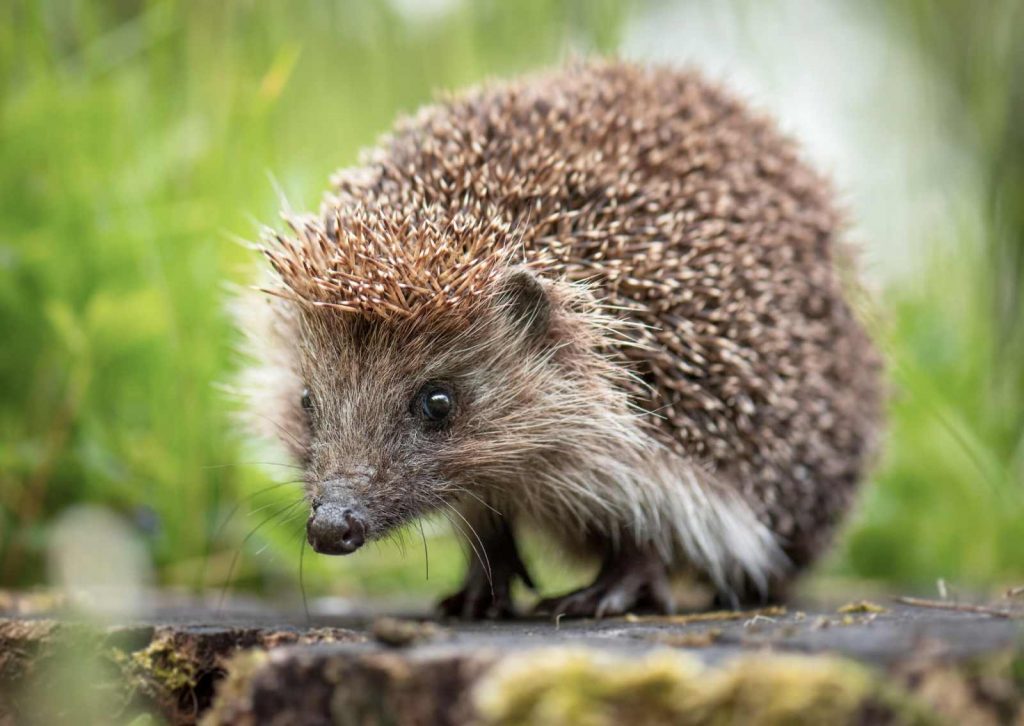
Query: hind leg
{"type": "Point", "coordinates": [630, 579]}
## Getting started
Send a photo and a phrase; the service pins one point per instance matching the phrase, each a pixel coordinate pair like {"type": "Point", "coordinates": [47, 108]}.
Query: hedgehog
{"type": "Point", "coordinates": [608, 303]}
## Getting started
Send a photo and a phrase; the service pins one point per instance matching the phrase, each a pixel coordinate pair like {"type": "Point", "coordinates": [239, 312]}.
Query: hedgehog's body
{"type": "Point", "coordinates": [618, 289]}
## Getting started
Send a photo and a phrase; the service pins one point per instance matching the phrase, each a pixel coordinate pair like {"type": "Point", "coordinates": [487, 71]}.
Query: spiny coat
{"type": "Point", "coordinates": [633, 285]}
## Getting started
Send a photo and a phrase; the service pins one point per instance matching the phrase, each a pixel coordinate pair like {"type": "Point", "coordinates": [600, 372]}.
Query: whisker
{"type": "Point", "coordinates": [250, 463]}
{"type": "Point", "coordinates": [484, 560]}
{"type": "Point", "coordinates": [302, 582]}
{"type": "Point", "coordinates": [462, 536]}
{"type": "Point", "coordinates": [241, 546]}
{"type": "Point", "coordinates": [390, 539]}
{"type": "Point", "coordinates": [426, 554]}
{"type": "Point", "coordinates": [463, 490]}
{"type": "Point", "coordinates": [234, 510]}
{"type": "Point", "coordinates": [395, 537]}
{"type": "Point", "coordinates": [287, 520]}
{"type": "Point", "coordinates": [282, 429]}
{"type": "Point", "coordinates": [401, 541]}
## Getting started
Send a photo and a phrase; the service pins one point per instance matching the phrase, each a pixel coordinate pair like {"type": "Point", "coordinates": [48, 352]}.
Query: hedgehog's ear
{"type": "Point", "coordinates": [524, 300]}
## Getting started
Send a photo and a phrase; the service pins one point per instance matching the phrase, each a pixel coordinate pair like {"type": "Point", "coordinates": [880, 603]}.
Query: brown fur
{"type": "Point", "coordinates": [696, 385]}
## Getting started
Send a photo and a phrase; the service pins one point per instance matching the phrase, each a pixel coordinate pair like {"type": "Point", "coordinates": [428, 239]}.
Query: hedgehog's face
{"type": "Point", "coordinates": [395, 421]}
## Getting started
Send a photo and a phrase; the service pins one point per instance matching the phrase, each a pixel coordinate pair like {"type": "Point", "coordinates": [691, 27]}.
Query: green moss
{"type": "Point", "coordinates": [586, 687]}
{"type": "Point", "coordinates": [159, 673]}
{"type": "Point", "coordinates": [165, 665]}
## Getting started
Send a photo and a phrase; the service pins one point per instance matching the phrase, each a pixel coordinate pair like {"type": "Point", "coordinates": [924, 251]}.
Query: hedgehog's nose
{"type": "Point", "coordinates": [334, 529]}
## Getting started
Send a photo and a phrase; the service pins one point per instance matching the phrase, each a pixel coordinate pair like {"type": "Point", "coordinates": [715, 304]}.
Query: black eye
{"type": "Point", "coordinates": [307, 400]}
{"type": "Point", "coordinates": [435, 403]}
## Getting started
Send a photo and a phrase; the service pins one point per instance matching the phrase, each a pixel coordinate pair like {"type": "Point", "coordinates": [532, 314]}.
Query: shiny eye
{"type": "Point", "coordinates": [307, 400]}
{"type": "Point", "coordinates": [435, 403]}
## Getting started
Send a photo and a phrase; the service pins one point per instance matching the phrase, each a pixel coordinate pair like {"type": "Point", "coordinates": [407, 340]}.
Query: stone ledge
{"type": "Point", "coordinates": [861, 663]}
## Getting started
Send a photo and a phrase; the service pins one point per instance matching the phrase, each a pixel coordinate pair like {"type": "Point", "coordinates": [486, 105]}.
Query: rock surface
{"type": "Point", "coordinates": [888, 662]}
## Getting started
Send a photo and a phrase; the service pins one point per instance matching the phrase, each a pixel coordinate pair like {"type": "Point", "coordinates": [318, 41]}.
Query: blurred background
{"type": "Point", "coordinates": [139, 140]}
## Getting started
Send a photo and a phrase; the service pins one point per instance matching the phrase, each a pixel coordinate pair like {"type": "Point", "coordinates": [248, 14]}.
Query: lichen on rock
{"type": "Point", "coordinates": [597, 688]}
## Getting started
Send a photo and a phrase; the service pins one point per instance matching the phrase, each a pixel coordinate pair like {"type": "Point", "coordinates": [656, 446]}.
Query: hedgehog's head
{"type": "Point", "coordinates": [403, 396]}
{"type": "Point", "coordinates": [403, 417]}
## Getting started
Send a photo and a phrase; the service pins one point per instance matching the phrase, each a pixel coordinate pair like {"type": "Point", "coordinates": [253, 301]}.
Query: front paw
{"type": "Point", "coordinates": [480, 599]}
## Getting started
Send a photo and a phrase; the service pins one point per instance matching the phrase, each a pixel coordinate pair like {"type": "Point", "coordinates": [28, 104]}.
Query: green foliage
{"type": "Point", "coordinates": [949, 500]}
{"type": "Point", "coordinates": [950, 496]}
{"type": "Point", "coordinates": [138, 138]}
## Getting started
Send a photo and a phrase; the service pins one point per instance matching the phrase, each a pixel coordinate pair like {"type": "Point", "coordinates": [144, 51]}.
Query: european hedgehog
{"type": "Point", "coordinates": [605, 302]}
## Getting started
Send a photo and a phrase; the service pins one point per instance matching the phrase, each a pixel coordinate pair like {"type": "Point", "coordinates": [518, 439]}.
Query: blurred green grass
{"type": "Point", "coordinates": [137, 138]}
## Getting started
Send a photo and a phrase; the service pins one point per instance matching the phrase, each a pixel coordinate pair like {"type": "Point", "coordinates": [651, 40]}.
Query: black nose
{"type": "Point", "coordinates": [335, 530]}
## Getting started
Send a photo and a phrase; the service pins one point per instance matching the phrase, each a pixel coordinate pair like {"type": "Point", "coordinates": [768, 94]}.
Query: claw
{"type": "Point", "coordinates": [631, 581]}
{"type": "Point", "coordinates": [479, 603]}
{"type": "Point", "coordinates": [487, 595]}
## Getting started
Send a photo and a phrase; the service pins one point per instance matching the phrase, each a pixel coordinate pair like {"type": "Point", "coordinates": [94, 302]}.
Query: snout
{"type": "Point", "coordinates": [334, 529]}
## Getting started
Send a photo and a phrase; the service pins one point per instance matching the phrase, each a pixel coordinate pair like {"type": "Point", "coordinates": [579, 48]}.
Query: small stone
{"type": "Point", "coordinates": [861, 606]}
{"type": "Point", "coordinates": [399, 633]}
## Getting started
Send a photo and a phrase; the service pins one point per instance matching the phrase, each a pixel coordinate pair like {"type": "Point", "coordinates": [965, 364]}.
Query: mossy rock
{"type": "Point", "coordinates": [593, 688]}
